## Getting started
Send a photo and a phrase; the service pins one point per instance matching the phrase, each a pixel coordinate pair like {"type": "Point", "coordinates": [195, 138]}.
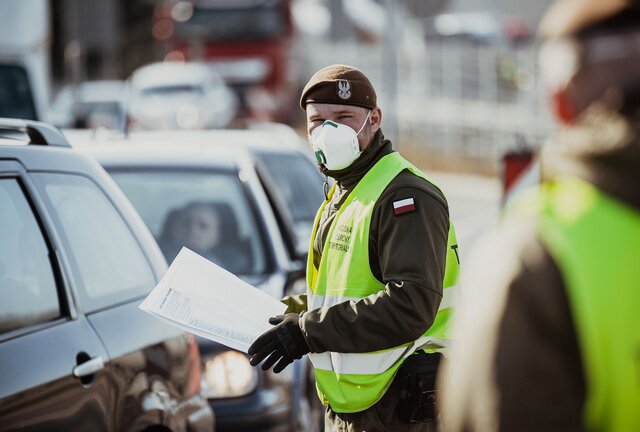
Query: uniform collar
{"type": "Point", "coordinates": [348, 177]}
{"type": "Point", "coordinates": [604, 149]}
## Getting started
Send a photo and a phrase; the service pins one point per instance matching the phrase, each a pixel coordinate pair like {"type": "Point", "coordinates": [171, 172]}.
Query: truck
{"type": "Point", "coordinates": [248, 41]}
{"type": "Point", "coordinates": [24, 58]}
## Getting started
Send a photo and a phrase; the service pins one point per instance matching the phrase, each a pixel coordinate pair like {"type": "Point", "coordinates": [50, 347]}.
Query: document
{"type": "Point", "coordinates": [202, 298]}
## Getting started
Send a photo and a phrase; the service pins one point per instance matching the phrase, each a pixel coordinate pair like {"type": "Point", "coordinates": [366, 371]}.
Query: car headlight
{"type": "Point", "coordinates": [228, 374]}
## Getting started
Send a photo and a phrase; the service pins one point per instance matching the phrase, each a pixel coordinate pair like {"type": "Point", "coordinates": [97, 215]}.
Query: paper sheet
{"type": "Point", "coordinates": [202, 298]}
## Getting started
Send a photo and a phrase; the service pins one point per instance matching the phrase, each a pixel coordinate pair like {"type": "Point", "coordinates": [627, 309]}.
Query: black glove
{"type": "Point", "coordinates": [284, 343]}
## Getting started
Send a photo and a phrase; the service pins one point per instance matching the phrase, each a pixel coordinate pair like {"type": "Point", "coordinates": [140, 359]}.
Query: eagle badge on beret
{"type": "Point", "coordinates": [344, 89]}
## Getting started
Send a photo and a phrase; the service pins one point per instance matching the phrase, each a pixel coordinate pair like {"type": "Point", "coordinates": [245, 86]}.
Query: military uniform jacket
{"type": "Point", "coordinates": [523, 370]}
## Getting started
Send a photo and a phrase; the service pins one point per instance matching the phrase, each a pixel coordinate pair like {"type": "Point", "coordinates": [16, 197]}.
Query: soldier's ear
{"type": "Point", "coordinates": [375, 119]}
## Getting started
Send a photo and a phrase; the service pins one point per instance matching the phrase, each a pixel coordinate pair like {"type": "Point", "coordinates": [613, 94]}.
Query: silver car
{"type": "Point", "coordinates": [177, 95]}
{"type": "Point", "coordinates": [203, 190]}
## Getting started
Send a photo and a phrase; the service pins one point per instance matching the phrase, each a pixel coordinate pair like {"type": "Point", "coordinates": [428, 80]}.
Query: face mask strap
{"type": "Point", "coordinates": [364, 124]}
{"type": "Point", "coordinates": [325, 188]}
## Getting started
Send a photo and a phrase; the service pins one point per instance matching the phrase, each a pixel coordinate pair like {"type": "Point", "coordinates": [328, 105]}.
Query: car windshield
{"type": "Point", "coordinates": [299, 183]}
{"type": "Point", "coordinates": [208, 212]}
{"type": "Point", "coordinates": [16, 100]}
{"type": "Point", "coordinates": [256, 20]}
{"type": "Point", "coordinates": [173, 90]}
{"type": "Point", "coordinates": [107, 114]}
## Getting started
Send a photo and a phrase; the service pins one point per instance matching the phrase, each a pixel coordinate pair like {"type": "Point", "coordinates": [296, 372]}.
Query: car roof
{"type": "Point", "coordinates": [284, 138]}
{"type": "Point", "coordinates": [39, 146]}
{"type": "Point", "coordinates": [96, 91]}
{"type": "Point", "coordinates": [161, 154]}
{"type": "Point", "coordinates": [46, 158]}
{"type": "Point", "coordinates": [221, 148]}
{"type": "Point", "coordinates": [172, 73]}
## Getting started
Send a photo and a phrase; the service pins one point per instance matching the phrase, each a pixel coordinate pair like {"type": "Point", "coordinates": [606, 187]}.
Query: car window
{"type": "Point", "coordinates": [27, 284]}
{"type": "Point", "coordinates": [171, 90]}
{"type": "Point", "coordinates": [107, 257]}
{"type": "Point", "coordinates": [92, 115]}
{"type": "Point", "coordinates": [299, 183]}
{"type": "Point", "coordinates": [261, 21]}
{"type": "Point", "coordinates": [16, 100]}
{"type": "Point", "coordinates": [208, 211]}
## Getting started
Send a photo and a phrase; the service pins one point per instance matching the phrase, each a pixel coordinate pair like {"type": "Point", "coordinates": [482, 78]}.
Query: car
{"type": "Point", "coordinates": [25, 32]}
{"type": "Point", "coordinates": [91, 104]}
{"type": "Point", "coordinates": [179, 95]}
{"type": "Point", "coordinates": [291, 179]}
{"type": "Point", "coordinates": [16, 90]}
{"type": "Point", "coordinates": [75, 262]}
{"type": "Point", "coordinates": [210, 198]}
{"type": "Point", "coordinates": [480, 27]}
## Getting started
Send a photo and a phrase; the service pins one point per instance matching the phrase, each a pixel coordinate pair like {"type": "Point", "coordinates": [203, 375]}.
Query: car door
{"type": "Point", "coordinates": [149, 360]}
{"type": "Point", "coordinates": [294, 186]}
{"type": "Point", "coordinates": [50, 357]}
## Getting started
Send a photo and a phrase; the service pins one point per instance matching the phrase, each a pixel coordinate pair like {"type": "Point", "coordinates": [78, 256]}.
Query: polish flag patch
{"type": "Point", "coordinates": [403, 206]}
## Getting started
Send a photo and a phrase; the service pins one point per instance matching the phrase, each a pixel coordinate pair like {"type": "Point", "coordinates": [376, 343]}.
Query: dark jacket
{"type": "Point", "coordinates": [516, 362]}
{"type": "Point", "coordinates": [406, 253]}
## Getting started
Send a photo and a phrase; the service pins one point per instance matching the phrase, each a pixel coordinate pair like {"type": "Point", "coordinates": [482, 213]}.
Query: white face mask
{"type": "Point", "coordinates": [336, 145]}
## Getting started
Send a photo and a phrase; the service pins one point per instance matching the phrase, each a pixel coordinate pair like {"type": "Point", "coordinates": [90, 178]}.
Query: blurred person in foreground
{"type": "Point", "coordinates": [374, 311]}
{"type": "Point", "coordinates": [548, 337]}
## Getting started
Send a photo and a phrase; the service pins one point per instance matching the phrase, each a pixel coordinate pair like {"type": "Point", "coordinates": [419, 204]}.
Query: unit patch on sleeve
{"type": "Point", "coordinates": [403, 206]}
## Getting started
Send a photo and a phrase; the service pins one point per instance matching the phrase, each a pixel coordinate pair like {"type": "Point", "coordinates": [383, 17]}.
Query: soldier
{"type": "Point", "coordinates": [548, 338]}
{"type": "Point", "coordinates": [374, 310]}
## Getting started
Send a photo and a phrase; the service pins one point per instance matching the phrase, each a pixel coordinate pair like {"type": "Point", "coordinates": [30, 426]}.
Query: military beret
{"type": "Point", "coordinates": [339, 84]}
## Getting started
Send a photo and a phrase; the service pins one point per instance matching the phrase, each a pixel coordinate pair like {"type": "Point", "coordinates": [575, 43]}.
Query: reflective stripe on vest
{"type": "Point", "coordinates": [352, 382]}
{"type": "Point", "coordinates": [594, 240]}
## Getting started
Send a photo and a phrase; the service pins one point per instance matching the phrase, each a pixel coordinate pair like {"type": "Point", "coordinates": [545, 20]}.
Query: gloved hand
{"type": "Point", "coordinates": [284, 343]}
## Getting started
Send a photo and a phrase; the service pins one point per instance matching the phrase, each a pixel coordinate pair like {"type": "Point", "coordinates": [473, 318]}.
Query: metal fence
{"type": "Point", "coordinates": [455, 98]}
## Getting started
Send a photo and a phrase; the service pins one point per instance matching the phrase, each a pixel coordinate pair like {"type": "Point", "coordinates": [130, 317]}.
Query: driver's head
{"type": "Point", "coordinates": [199, 227]}
{"type": "Point", "coordinates": [591, 55]}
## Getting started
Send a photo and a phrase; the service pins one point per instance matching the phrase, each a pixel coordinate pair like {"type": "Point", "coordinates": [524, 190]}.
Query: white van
{"type": "Point", "coordinates": [24, 58]}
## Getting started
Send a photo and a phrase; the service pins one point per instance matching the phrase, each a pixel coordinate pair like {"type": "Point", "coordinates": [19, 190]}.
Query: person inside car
{"type": "Point", "coordinates": [209, 229]}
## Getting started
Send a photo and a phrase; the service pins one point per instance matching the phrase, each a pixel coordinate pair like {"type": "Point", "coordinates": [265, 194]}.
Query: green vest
{"type": "Point", "coordinates": [594, 239]}
{"type": "Point", "coordinates": [352, 382]}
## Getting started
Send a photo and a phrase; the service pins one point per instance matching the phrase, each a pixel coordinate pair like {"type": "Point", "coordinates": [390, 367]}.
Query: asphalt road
{"type": "Point", "coordinates": [474, 203]}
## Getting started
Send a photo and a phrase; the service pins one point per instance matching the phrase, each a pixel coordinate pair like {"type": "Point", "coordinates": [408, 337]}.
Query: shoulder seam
{"type": "Point", "coordinates": [391, 188]}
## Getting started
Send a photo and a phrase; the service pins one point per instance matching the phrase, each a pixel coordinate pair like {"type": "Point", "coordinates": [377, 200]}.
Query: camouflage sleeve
{"type": "Point", "coordinates": [295, 303]}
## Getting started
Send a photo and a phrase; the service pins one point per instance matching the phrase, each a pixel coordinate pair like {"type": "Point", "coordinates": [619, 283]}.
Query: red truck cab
{"type": "Point", "coordinates": [247, 40]}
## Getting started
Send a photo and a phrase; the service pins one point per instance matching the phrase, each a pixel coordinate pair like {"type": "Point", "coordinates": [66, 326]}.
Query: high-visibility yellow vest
{"type": "Point", "coordinates": [352, 382]}
{"type": "Point", "coordinates": [595, 240]}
